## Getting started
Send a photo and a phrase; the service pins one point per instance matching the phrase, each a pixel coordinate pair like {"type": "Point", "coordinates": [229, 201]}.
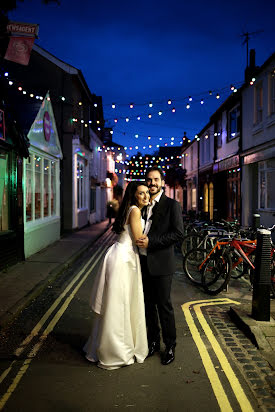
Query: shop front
{"type": "Point", "coordinates": [41, 177]}
{"type": "Point", "coordinates": [13, 147]}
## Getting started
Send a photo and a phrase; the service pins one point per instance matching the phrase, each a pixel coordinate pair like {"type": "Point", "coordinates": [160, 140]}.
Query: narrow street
{"type": "Point", "coordinates": [216, 367]}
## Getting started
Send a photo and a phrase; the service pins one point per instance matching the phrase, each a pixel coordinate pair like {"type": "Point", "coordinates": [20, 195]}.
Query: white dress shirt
{"type": "Point", "coordinates": [148, 223]}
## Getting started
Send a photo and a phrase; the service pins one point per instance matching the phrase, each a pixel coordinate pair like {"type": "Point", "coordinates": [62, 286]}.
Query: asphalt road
{"type": "Point", "coordinates": [216, 368]}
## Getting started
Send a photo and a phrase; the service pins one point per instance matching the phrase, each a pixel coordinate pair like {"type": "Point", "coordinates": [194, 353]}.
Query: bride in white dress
{"type": "Point", "coordinates": [118, 336]}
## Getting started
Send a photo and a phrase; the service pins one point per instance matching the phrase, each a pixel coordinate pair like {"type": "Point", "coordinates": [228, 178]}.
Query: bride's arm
{"type": "Point", "coordinates": [135, 223]}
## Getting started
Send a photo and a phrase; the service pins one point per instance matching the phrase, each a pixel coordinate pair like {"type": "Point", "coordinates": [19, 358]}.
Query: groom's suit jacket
{"type": "Point", "coordinates": [165, 231]}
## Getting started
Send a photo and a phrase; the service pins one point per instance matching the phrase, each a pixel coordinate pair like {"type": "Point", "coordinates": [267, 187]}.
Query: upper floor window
{"type": "Point", "coordinates": [258, 109]}
{"type": "Point", "coordinates": [234, 122]}
{"type": "Point", "coordinates": [218, 133]}
{"type": "Point", "coordinates": [272, 92]}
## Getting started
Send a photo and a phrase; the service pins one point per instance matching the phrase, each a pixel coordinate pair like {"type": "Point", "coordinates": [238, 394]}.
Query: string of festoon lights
{"type": "Point", "coordinates": [170, 103]}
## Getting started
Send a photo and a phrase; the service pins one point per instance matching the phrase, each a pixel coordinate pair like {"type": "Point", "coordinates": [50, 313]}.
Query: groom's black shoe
{"type": "Point", "coordinates": [153, 347]}
{"type": "Point", "coordinates": [169, 355]}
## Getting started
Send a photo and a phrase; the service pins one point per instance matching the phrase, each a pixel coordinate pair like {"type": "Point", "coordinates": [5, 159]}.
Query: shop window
{"type": "Point", "coordinates": [234, 123]}
{"type": "Point", "coordinates": [211, 200]}
{"type": "Point", "coordinates": [194, 198]}
{"type": "Point", "coordinates": [205, 197]}
{"type": "Point", "coordinates": [258, 108]}
{"type": "Point", "coordinates": [266, 184]}
{"type": "Point", "coordinates": [4, 192]}
{"type": "Point", "coordinates": [40, 188]}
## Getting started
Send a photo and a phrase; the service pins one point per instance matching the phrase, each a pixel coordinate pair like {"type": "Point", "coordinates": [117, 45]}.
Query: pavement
{"type": "Point", "coordinates": [21, 283]}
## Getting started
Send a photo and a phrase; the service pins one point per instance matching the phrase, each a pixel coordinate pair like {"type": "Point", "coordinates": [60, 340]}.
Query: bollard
{"type": "Point", "coordinates": [262, 276]}
{"type": "Point", "coordinates": [256, 221]}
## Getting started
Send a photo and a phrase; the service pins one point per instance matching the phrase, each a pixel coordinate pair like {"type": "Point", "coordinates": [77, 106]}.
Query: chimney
{"type": "Point", "coordinates": [251, 69]}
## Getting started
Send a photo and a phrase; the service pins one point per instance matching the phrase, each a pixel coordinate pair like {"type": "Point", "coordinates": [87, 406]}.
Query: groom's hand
{"type": "Point", "coordinates": [143, 241]}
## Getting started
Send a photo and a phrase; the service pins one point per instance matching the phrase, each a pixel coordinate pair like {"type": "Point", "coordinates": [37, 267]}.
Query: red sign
{"type": "Point", "coordinates": [47, 126]}
{"type": "Point", "coordinates": [25, 29]}
{"type": "Point", "coordinates": [2, 125]}
{"type": "Point", "coordinates": [19, 49]}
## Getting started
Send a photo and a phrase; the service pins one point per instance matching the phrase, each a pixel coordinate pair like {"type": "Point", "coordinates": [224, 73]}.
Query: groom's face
{"type": "Point", "coordinates": [154, 182]}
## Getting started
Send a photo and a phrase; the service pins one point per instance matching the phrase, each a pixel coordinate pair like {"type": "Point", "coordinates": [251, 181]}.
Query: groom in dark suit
{"type": "Point", "coordinates": [163, 228]}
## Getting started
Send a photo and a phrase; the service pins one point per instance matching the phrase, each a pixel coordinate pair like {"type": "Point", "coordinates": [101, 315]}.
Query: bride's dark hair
{"type": "Point", "coordinates": [128, 200]}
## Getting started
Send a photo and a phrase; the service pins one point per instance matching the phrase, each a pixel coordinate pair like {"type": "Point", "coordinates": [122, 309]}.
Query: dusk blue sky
{"type": "Point", "coordinates": [151, 51]}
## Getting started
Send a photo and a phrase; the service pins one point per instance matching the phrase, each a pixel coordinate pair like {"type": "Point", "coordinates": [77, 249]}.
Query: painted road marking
{"type": "Point", "coordinates": [216, 384]}
{"type": "Point", "coordinates": [46, 316]}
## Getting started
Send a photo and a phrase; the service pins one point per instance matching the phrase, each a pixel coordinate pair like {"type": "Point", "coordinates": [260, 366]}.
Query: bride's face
{"type": "Point", "coordinates": [142, 196]}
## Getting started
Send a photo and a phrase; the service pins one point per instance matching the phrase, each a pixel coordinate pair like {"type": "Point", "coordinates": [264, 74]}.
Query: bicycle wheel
{"type": "Point", "coordinates": [190, 242]}
{"type": "Point", "coordinates": [216, 273]}
{"type": "Point", "coordinates": [191, 263]}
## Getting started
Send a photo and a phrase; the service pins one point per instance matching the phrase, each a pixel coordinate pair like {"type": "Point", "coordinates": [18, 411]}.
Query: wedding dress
{"type": "Point", "coordinates": [118, 336]}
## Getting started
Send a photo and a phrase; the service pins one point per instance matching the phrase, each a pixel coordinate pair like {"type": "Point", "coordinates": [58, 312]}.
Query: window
{"type": "Point", "coordinates": [219, 133]}
{"type": "Point", "coordinates": [92, 199]}
{"type": "Point", "coordinates": [4, 192]}
{"type": "Point", "coordinates": [258, 117]}
{"type": "Point", "coordinates": [266, 184]}
{"type": "Point", "coordinates": [272, 92]}
{"type": "Point", "coordinates": [234, 123]}
{"type": "Point", "coordinates": [81, 196]}
{"type": "Point", "coordinates": [40, 183]}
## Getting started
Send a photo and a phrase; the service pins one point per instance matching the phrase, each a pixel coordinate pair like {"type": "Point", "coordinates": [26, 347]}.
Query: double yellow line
{"type": "Point", "coordinates": [90, 265]}
{"type": "Point", "coordinates": [215, 382]}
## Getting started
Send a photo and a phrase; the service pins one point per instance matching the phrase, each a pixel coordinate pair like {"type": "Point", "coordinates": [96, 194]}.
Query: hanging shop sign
{"type": "Point", "coordinates": [22, 36]}
{"type": "Point", "coordinates": [2, 125]}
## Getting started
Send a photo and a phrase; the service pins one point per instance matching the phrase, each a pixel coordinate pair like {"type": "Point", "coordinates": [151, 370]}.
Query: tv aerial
{"type": "Point", "coordinates": [247, 36]}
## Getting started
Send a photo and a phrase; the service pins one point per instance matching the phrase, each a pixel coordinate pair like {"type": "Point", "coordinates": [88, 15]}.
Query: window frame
{"type": "Point", "coordinates": [264, 169]}
{"type": "Point", "coordinates": [53, 210]}
{"type": "Point", "coordinates": [237, 131]}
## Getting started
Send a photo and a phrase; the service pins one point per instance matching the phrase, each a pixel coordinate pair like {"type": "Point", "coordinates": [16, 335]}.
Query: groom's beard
{"type": "Point", "coordinates": [155, 192]}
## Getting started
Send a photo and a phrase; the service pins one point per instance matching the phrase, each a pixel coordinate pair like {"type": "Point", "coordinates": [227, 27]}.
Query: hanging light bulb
{"type": "Point", "coordinates": [113, 106]}
{"type": "Point", "coordinates": [149, 137]}
{"type": "Point", "coordinates": [136, 135]}
{"type": "Point", "coordinates": [80, 103]}
{"type": "Point", "coordinates": [115, 120]}
{"type": "Point", "coordinates": [217, 96]}
{"type": "Point", "coordinates": [232, 87]}
{"type": "Point", "coordinates": [127, 119]}
{"type": "Point", "coordinates": [169, 101]}
{"type": "Point", "coordinates": [202, 101]}
{"type": "Point", "coordinates": [150, 104]}
{"type": "Point", "coordinates": [210, 92]}
{"type": "Point", "coordinates": [131, 106]}
{"type": "Point", "coordinates": [138, 117]}
{"type": "Point", "coordinates": [149, 115]}
{"type": "Point", "coordinates": [173, 110]}
{"type": "Point", "coordinates": [95, 104]}
{"type": "Point", "coordinates": [160, 113]}
{"type": "Point", "coordinates": [190, 99]}
{"type": "Point", "coordinates": [188, 106]}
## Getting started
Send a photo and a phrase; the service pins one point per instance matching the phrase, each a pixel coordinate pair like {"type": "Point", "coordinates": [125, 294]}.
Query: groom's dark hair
{"type": "Point", "coordinates": [153, 169]}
